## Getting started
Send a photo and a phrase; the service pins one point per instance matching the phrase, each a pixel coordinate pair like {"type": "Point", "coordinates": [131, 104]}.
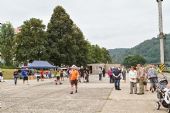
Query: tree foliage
{"type": "Point", "coordinates": [6, 43]}
{"type": "Point", "coordinates": [31, 41]}
{"type": "Point", "coordinates": [98, 55]}
{"type": "Point", "coordinates": [62, 43]}
{"type": "Point", "coordinates": [66, 42]}
{"type": "Point", "coordinates": [133, 60]}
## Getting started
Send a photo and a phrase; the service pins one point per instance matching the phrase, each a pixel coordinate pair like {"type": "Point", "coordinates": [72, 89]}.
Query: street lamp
{"type": "Point", "coordinates": [161, 34]}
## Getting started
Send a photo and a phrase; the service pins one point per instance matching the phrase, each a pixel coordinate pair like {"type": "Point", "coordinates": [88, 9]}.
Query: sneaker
{"type": "Point", "coordinates": [71, 92]}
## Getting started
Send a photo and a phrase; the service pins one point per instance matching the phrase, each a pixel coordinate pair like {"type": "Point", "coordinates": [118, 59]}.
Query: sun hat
{"type": "Point", "coordinates": [74, 67]}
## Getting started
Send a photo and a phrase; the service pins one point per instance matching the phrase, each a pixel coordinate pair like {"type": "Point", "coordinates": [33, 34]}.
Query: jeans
{"type": "Point", "coordinates": [117, 83]}
{"type": "Point", "coordinates": [153, 81]}
{"type": "Point", "coordinates": [15, 80]}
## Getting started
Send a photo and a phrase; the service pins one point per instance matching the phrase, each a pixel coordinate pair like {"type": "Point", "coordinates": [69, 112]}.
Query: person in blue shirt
{"type": "Point", "coordinates": [24, 74]}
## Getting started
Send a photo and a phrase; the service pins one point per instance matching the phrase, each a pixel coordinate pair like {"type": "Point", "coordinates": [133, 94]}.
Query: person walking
{"type": "Point", "coordinates": [42, 74]}
{"type": "Point", "coordinates": [140, 78]}
{"type": "Point", "coordinates": [100, 73]}
{"type": "Point", "coordinates": [86, 72]}
{"type": "Point", "coordinates": [15, 75]}
{"type": "Point", "coordinates": [124, 74]}
{"type": "Point", "coordinates": [132, 79]}
{"type": "Point", "coordinates": [24, 73]}
{"type": "Point", "coordinates": [74, 74]}
{"type": "Point", "coordinates": [37, 75]}
{"type": "Point", "coordinates": [61, 75]}
{"type": "Point", "coordinates": [152, 75]}
{"type": "Point", "coordinates": [110, 75]}
{"type": "Point", "coordinates": [57, 74]}
{"type": "Point", "coordinates": [104, 72]}
{"type": "Point", "coordinates": [117, 75]}
{"type": "Point", "coordinates": [82, 72]}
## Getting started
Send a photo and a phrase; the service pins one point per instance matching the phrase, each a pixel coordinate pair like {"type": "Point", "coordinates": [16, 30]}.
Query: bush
{"type": "Point", "coordinates": [8, 73]}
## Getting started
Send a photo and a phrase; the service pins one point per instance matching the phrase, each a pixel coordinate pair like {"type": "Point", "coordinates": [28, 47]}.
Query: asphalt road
{"type": "Point", "coordinates": [94, 97]}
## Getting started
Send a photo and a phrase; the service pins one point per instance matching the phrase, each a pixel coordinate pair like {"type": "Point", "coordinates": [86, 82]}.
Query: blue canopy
{"type": "Point", "coordinates": [40, 65]}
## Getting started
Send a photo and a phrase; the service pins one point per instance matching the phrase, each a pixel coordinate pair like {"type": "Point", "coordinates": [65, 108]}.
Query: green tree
{"type": "Point", "coordinates": [106, 58]}
{"type": "Point", "coordinates": [133, 60]}
{"type": "Point", "coordinates": [31, 41]}
{"type": "Point", "coordinates": [98, 55]}
{"type": "Point", "coordinates": [6, 43]}
{"type": "Point", "coordinates": [59, 32]}
{"type": "Point", "coordinates": [80, 46]}
{"type": "Point", "coordinates": [66, 43]}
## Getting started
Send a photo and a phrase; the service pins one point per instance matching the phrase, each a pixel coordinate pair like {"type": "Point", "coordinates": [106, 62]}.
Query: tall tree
{"type": "Point", "coordinates": [80, 45]}
{"type": "Point", "coordinates": [66, 43]}
{"type": "Point", "coordinates": [59, 32]}
{"type": "Point", "coordinates": [6, 43]}
{"type": "Point", "coordinates": [31, 41]}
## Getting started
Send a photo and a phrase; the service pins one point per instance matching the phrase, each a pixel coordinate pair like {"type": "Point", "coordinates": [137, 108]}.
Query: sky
{"type": "Point", "coordinates": [108, 23]}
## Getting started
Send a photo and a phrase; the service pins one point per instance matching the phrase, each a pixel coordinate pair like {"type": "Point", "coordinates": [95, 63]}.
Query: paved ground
{"type": "Point", "coordinates": [93, 97]}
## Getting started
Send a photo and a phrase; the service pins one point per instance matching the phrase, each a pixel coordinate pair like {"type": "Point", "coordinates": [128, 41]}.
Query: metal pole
{"type": "Point", "coordinates": [161, 35]}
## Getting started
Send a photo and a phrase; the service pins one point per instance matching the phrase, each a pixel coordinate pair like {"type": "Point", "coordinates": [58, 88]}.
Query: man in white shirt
{"type": "Point", "coordinates": [132, 79]}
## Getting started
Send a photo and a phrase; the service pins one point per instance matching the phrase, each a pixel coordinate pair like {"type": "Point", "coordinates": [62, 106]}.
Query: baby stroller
{"type": "Point", "coordinates": [163, 94]}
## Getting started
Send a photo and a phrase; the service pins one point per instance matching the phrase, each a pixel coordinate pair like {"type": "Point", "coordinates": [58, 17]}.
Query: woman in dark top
{"type": "Point", "coordinates": [15, 74]}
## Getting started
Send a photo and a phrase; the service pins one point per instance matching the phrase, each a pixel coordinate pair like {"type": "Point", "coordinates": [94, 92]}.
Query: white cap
{"type": "Point", "coordinates": [73, 66]}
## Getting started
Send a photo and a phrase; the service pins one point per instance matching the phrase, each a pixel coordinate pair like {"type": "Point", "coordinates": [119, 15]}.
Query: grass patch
{"type": "Point", "coordinates": [8, 73]}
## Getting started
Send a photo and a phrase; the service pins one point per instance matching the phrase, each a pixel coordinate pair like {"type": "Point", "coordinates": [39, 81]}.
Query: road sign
{"type": "Point", "coordinates": [162, 67]}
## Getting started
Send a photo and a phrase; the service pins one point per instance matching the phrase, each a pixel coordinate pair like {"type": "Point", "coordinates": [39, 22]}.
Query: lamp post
{"type": "Point", "coordinates": [161, 34]}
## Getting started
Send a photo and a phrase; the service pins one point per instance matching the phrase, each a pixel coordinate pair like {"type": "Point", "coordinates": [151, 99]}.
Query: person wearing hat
{"type": "Point", "coordinates": [74, 78]}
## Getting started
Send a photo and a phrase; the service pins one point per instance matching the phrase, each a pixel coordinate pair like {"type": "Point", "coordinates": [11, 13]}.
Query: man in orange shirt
{"type": "Point", "coordinates": [73, 78]}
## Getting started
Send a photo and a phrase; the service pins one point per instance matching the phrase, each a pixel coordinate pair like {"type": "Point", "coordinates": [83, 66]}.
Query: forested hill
{"type": "Point", "coordinates": [149, 49]}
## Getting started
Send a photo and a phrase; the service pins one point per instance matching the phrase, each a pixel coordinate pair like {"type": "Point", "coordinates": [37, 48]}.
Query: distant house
{"type": "Point", "coordinates": [94, 68]}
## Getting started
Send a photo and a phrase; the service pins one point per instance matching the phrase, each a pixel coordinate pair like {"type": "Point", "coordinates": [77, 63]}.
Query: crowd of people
{"type": "Point", "coordinates": [138, 75]}
{"type": "Point", "coordinates": [74, 74]}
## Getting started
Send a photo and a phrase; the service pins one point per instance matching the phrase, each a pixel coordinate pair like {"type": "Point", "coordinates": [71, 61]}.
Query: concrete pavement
{"type": "Point", "coordinates": [94, 97]}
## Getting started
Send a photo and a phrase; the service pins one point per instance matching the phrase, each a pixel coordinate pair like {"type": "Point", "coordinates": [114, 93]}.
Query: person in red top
{"type": "Point", "coordinates": [42, 74]}
{"type": "Point", "coordinates": [73, 78]}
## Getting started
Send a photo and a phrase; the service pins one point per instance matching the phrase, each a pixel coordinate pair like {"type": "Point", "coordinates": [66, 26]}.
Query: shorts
{"type": "Point", "coordinates": [61, 75]}
{"type": "Point", "coordinates": [25, 78]}
{"type": "Point", "coordinates": [58, 78]}
{"type": "Point", "coordinates": [74, 82]}
{"type": "Point", "coordinates": [82, 75]}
